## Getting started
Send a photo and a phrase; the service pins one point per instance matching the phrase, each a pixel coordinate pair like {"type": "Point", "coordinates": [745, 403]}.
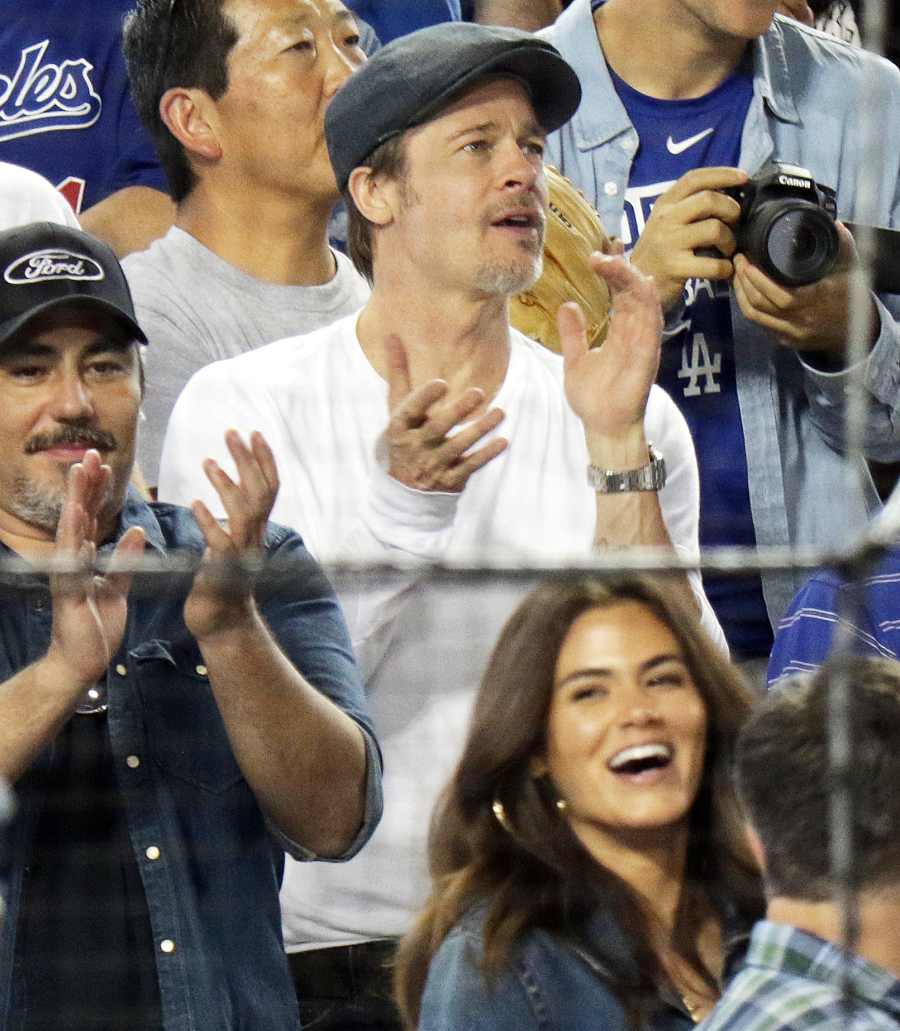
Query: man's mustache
{"type": "Point", "coordinates": [86, 436]}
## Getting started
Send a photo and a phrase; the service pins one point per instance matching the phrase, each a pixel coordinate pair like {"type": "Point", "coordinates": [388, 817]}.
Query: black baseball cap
{"type": "Point", "coordinates": [44, 266]}
{"type": "Point", "coordinates": [410, 79]}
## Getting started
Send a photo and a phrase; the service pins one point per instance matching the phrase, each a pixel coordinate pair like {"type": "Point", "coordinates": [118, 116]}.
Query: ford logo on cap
{"type": "Point", "coordinates": [52, 264]}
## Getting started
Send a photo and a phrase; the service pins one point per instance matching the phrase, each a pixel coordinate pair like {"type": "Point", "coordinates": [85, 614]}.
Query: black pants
{"type": "Point", "coordinates": [346, 988]}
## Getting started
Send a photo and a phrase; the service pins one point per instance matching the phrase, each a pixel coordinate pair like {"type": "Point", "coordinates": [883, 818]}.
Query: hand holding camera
{"type": "Point", "coordinates": [773, 236]}
{"type": "Point", "coordinates": [689, 232]}
{"type": "Point", "coordinates": [792, 269]}
{"type": "Point", "coordinates": [814, 317]}
{"type": "Point", "coordinates": [787, 224]}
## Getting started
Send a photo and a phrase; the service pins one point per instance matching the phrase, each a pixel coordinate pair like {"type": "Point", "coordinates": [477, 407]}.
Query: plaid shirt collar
{"type": "Point", "coordinates": [789, 952]}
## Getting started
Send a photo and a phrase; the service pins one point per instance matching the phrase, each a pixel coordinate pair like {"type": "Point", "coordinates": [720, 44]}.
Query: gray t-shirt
{"type": "Point", "coordinates": [196, 309]}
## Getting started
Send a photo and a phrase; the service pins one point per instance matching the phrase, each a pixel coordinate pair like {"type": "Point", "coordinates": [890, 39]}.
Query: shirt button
{"type": "Point", "coordinates": [152, 852]}
{"type": "Point", "coordinates": [610, 189]}
{"type": "Point", "coordinates": [167, 945]}
{"type": "Point", "coordinates": [132, 762]}
{"type": "Point", "coordinates": [201, 670]}
{"type": "Point", "coordinates": [121, 670]}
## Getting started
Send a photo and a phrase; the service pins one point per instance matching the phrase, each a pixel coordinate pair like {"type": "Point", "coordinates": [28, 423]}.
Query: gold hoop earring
{"type": "Point", "coordinates": [500, 815]}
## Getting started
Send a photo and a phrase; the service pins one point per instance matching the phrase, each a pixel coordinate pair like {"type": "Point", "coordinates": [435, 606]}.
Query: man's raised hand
{"type": "Point", "coordinates": [423, 452]}
{"type": "Point", "coordinates": [607, 387]}
{"type": "Point", "coordinates": [218, 602]}
{"type": "Point", "coordinates": [89, 611]}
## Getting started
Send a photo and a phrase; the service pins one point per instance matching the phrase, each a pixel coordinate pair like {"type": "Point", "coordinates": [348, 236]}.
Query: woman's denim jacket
{"type": "Point", "coordinates": [548, 985]}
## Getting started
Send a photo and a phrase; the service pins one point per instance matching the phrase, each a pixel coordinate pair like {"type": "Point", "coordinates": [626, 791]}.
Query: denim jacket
{"type": "Point", "coordinates": [209, 862]}
{"type": "Point", "coordinates": [549, 985]}
{"type": "Point", "coordinates": [808, 91]}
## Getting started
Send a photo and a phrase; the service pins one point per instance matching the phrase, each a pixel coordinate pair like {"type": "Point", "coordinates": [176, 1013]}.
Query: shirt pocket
{"type": "Point", "coordinates": [185, 731]}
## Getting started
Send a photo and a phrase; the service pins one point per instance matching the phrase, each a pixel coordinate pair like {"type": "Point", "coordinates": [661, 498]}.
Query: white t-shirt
{"type": "Point", "coordinates": [322, 408]}
{"type": "Point", "coordinates": [27, 197]}
{"type": "Point", "coordinates": [196, 308]}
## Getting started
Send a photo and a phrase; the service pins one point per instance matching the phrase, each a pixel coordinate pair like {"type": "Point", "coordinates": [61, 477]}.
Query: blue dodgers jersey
{"type": "Point", "coordinates": [697, 366]}
{"type": "Point", "coordinates": [65, 109]}
{"type": "Point", "coordinates": [393, 18]}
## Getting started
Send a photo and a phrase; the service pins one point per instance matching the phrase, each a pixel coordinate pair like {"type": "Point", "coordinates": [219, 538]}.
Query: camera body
{"type": "Point", "coordinates": [787, 224]}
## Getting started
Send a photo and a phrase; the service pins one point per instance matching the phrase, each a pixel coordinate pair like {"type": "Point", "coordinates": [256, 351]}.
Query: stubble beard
{"type": "Point", "coordinates": [495, 277]}
{"type": "Point", "coordinates": [40, 505]}
{"type": "Point", "coordinates": [36, 505]}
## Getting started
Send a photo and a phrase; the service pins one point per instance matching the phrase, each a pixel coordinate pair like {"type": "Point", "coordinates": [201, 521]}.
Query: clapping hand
{"type": "Point", "coordinates": [89, 611]}
{"type": "Point", "coordinates": [423, 452]}
{"type": "Point", "coordinates": [607, 387]}
{"type": "Point", "coordinates": [219, 602]}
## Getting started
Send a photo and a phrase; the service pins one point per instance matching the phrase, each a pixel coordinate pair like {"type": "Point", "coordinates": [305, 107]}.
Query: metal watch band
{"type": "Point", "coordinates": [651, 476]}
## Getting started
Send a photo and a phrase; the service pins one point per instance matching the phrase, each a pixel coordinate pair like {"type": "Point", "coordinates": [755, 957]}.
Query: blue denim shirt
{"type": "Point", "coordinates": [808, 91]}
{"type": "Point", "coordinates": [547, 986]}
{"type": "Point", "coordinates": [212, 887]}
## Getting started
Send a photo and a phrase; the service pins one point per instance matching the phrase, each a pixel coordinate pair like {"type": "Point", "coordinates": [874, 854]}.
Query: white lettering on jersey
{"type": "Point", "coordinates": [639, 201]}
{"type": "Point", "coordinates": [46, 97]}
{"type": "Point", "coordinates": [701, 364]}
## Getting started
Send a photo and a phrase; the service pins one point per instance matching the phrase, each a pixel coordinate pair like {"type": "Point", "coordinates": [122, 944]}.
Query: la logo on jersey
{"type": "Point", "coordinates": [44, 97]}
{"type": "Point", "coordinates": [49, 264]}
{"type": "Point", "coordinates": [700, 366]}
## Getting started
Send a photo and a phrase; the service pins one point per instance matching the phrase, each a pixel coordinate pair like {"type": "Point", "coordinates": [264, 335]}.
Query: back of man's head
{"type": "Point", "coordinates": [784, 780]}
{"type": "Point", "coordinates": [170, 43]}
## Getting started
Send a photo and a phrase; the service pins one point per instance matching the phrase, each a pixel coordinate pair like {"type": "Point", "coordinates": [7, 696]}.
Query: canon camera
{"type": "Point", "coordinates": [786, 226]}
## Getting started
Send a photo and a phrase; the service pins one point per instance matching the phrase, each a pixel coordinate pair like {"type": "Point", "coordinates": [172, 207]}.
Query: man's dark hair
{"type": "Point", "coordinates": [185, 44]}
{"type": "Point", "coordinates": [783, 777]}
{"type": "Point", "coordinates": [388, 159]}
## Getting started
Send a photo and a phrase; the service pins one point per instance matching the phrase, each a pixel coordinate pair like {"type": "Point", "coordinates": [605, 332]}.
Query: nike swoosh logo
{"type": "Point", "coordinates": [678, 148]}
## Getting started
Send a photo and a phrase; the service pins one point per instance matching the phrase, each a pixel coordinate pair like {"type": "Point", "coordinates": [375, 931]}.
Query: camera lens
{"type": "Point", "coordinates": [794, 241]}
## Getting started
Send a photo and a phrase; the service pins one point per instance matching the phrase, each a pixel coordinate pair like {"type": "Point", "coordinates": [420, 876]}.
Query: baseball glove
{"type": "Point", "coordinates": [573, 233]}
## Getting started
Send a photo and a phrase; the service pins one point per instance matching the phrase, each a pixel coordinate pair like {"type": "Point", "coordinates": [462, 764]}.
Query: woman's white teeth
{"type": "Point", "coordinates": [654, 754]}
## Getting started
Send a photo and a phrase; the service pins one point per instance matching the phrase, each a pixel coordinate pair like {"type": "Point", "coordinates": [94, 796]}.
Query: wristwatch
{"type": "Point", "coordinates": [651, 476]}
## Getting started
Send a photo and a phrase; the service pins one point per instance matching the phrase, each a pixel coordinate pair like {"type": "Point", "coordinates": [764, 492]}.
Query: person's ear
{"type": "Point", "coordinates": [375, 196]}
{"type": "Point", "coordinates": [189, 115]}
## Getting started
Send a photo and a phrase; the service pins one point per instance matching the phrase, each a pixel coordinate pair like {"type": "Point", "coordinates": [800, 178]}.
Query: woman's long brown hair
{"type": "Point", "coordinates": [534, 873]}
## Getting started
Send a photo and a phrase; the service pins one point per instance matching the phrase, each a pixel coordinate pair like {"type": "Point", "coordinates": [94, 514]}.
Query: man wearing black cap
{"type": "Point", "coordinates": [389, 429]}
{"type": "Point", "coordinates": [166, 744]}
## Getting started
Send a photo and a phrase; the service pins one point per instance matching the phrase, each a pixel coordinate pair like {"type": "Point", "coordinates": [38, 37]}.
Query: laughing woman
{"type": "Point", "coordinates": [589, 868]}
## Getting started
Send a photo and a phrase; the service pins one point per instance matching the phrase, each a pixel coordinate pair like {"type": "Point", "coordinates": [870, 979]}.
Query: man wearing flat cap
{"type": "Point", "coordinates": [423, 427]}
{"type": "Point", "coordinates": [166, 744]}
